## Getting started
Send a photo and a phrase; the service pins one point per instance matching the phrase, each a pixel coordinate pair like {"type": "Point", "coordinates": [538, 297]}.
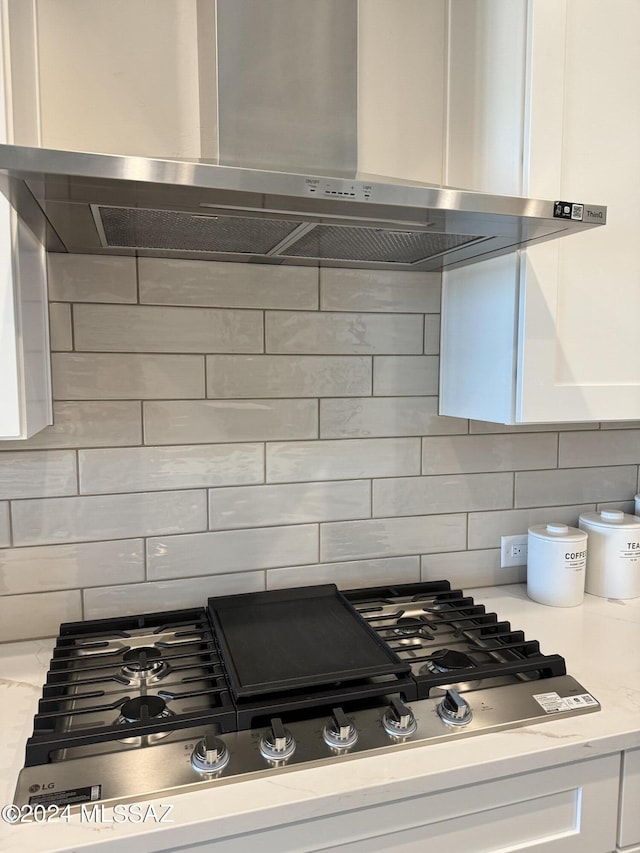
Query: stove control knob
{"type": "Point", "coordinates": [454, 710]}
{"type": "Point", "coordinates": [210, 755]}
{"type": "Point", "coordinates": [399, 721]}
{"type": "Point", "coordinates": [339, 732]}
{"type": "Point", "coordinates": [277, 743]}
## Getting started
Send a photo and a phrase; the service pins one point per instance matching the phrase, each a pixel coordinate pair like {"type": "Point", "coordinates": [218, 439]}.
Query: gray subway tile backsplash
{"type": "Point", "coordinates": [131, 469]}
{"type": "Point", "coordinates": [132, 598]}
{"type": "Point", "coordinates": [165, 281]}
{"type": "Point", "coordinates": [154, 328]}
{"type": "Point", "coordinates": [328, 333]}
{"type": "Point", "coordinates": [224, 428]}
{"type": "Point", "coordinates": [87, 423]}
{"type": "Point", "coordinates": [60, 327]}
{"type": "Point", "coordinates": [226, 551]}
{"type": "Point", "coordinates": [27, 617]}
{"type": "Point", "coordinates": [299, 461]}
{"type": "Point", "coordinates": [37, 473]}
{"type": "Point", "coordinates": [381, 537]}
{"type": "Point", "coordinates": [486, 528]}
{"type": "Point", "coordinates": [47, 521]}
{"type": "Point", "coordinates": [130, 376]}
{"type": "Point", "coordinates": [288, 375]}
{"type": "Point", "coordinates": [575, 485]}
{"type": "Point", "coordinates": [465, 454]}
{"type": "Point", "coordinates": [379, 290]}
{"type": "Point", "coordinates": [467, 569]}
{"type": "Point", "coordinates": [432, 334]}
{"type": "Point", "coordinates": [406, 375]}
{"type": "Point", "coordinates": [366, 417]}
{"type": "Point", "coordinates": [353, 574]}
{"type": "Point", "coordinates": [50, 567]}
{"type": "Point", "coordinates": [91, 278]}
{"type": "Point", "coordinates": [290, 503]}
{"type": "Point", "coordinates": [5, 531]}
{"type": "Point", "coordinates": [604, 447]}
{"type": "Point", "coordinates": [448, 493]}
{"type": "Point", "coordinates": [204, 421]}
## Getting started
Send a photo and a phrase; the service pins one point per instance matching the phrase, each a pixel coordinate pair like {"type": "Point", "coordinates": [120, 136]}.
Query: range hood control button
{"type": "Point", "coordinates": [399, 721]}
{"type": "Point", "coordinates": [277, 743]}
{"type": "Point", "coordinates": [210, 755]}
{"type": "Point", "coordinates": [339, 732]}
{"type": "Point", "coordinates": [455, 710]}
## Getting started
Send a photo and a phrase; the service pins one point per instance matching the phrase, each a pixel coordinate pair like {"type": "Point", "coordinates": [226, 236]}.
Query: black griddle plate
{"type": "Point", "coordinates": [295, 639]}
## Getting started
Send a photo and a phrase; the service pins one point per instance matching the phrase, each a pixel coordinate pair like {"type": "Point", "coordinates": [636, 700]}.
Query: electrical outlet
{"type": "Point", "coordinates": [513, 550]}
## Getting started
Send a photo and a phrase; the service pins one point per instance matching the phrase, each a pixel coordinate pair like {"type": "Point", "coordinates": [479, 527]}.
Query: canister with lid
{"type": "Point", "coordinates": [556, 560]}
{"type": "Point", "coordinates": [613, 560]}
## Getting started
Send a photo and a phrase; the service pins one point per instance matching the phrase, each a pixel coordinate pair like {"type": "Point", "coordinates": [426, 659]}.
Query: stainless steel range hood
{"type": "Point", "coordinates": [282, 186]}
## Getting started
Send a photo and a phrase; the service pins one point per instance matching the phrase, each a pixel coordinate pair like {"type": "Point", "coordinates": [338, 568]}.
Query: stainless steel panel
{"type": "Point", "coordinates": [53, 192]}
{"type": "Point", "coordinates": [136, 773]}
{"type": "Point", "coordinates": [287, 84]}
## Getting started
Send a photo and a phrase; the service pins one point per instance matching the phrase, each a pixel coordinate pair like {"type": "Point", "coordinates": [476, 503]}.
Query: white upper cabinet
{"type": "Point", "coordinates": [25, 384]}
{"type": "Point", "coordinates": [121, 77]}
{"type": "Point", "coordinates": [401, 84]}
{"type": "Point", "coordinates": [548, 336]}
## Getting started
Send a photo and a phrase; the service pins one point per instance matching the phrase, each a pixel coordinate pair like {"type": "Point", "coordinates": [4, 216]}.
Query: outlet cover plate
{"type": "Point", "coordinates": [513, 550]}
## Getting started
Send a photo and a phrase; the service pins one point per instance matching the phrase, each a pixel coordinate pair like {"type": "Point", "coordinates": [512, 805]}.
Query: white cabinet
{"type": "Point", "coordinates": [629, 829]}
{"type": "Point", "coordinates": [25, 385]}
{"type": "Point", "coordinates": [550, 336]}
{"type": "Point", "coordinates": [567, 809]}
{"type": "Point", "coordinates": [25, 392]}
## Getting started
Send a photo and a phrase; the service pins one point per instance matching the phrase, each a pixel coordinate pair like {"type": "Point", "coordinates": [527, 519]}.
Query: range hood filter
{"type": "Point", "coordinates": [162, 230]}
{"type": "Point", "coordinates": [335, 242]}
{"type": "Point", "coordinates": [135, 228]}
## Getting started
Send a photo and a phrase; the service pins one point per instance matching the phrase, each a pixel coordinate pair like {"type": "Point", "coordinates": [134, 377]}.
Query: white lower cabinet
{"type": "Point", "coordinates": [629, 825]}
{"type": "Point", "coordinates": [568, 809]}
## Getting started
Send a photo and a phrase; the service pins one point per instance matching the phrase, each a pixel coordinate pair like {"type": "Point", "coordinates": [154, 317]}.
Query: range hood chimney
{"type": "Point", "coordinates": [279, 182]}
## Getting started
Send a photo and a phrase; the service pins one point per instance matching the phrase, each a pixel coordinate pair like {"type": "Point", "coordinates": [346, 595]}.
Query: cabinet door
{"type": "Point", "coordinates": [25, 385]}
{"type": "Point", "coordinates": [487, 86]}
{"type": "Point", "coordinates": [567, 809]}
{"type": "Point", "coordinates": [580, 297]}
{"type": "Point", "coordinates": [629, 829]}
{"type": "Point", "coordinates": [567, 351]}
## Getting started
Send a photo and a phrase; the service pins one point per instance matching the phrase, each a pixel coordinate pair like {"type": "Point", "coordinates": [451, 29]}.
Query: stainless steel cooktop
{"type": "Point", "coordinates": [142, 706]}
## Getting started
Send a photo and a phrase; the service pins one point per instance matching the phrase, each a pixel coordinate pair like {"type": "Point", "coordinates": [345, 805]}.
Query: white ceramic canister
{"type": "Point", "coordinates": [556, 561]}
{"type": "Point", "coordinates": [613, 561]}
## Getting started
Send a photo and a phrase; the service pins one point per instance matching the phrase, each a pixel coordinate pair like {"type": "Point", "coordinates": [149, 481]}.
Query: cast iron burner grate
{"type": "Point", "coordinates": [449, 639]}
{"type": "Point", "coordinates": [131, 679]}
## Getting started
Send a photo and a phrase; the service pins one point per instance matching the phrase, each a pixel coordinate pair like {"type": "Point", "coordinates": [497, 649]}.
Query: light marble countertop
{"type": "Point", "coordinates": [599, 641]}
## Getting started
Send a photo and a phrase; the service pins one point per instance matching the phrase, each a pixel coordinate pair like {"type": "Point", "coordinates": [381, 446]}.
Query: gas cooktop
{"type": "Point", "coordinates": [260, 683]}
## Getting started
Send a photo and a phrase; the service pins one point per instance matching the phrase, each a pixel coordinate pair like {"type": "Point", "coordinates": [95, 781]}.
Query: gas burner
{"type": "Point", "coordinates": [410, 626]}
{"type": "Point", "coordinates": [143, 664]}
{"type": "Point", "coordinates": [142, 709]}
{"type": "Point", "coordinates": [447, 660]}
